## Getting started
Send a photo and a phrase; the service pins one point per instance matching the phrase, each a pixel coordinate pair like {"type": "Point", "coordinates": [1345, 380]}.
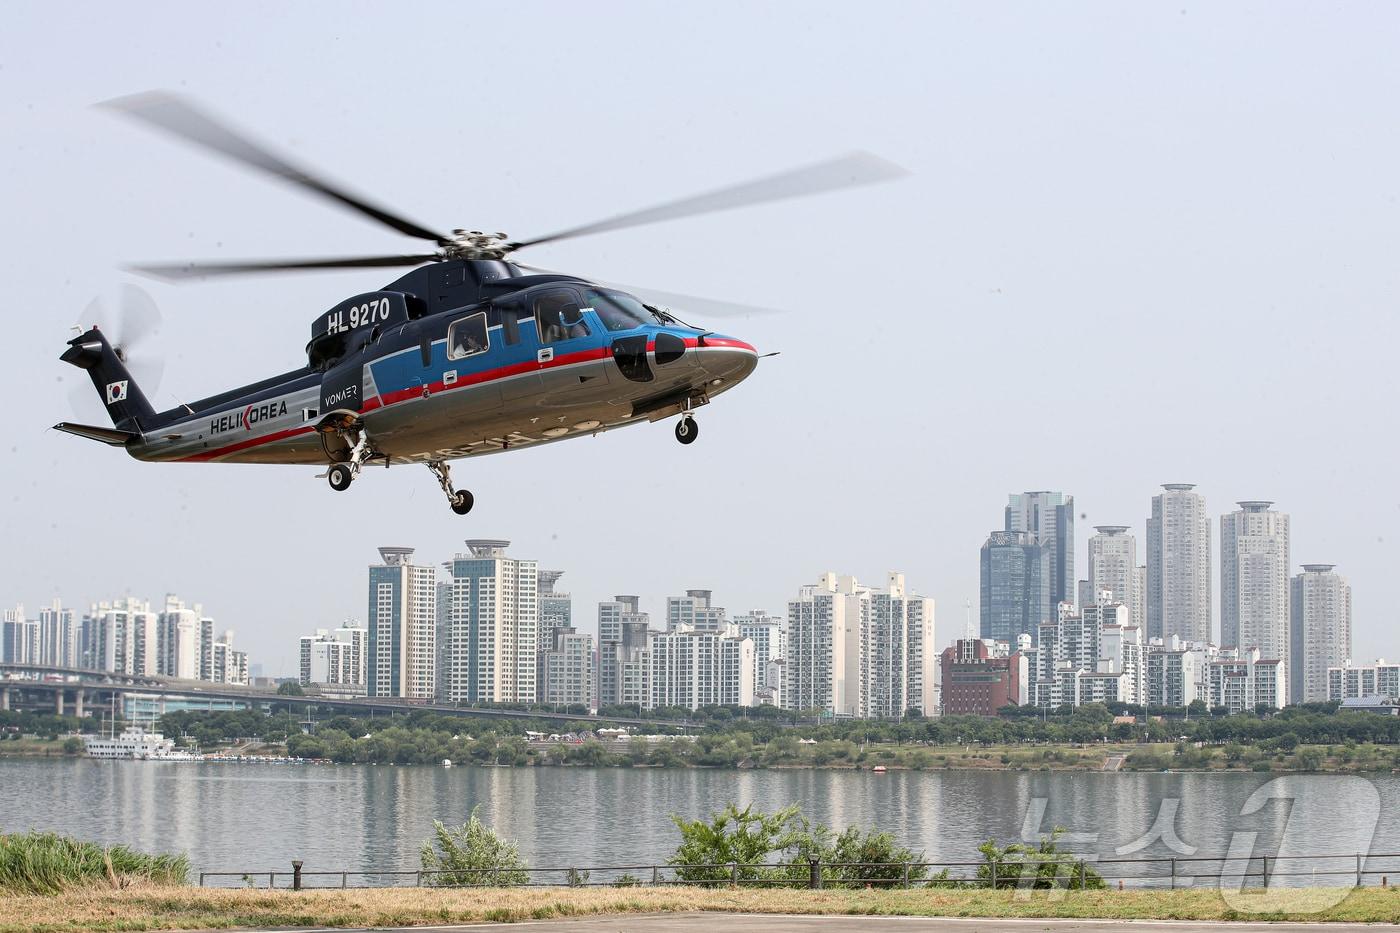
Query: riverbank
{"type": "Point", "coordinates": [1111, 756]}
{"type": "Point", "coordinates": [182, 908]}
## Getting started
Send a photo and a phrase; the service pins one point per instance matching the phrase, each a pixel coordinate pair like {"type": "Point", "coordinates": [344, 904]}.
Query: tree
{"type": "Point", "coordinates": [290, 688]}
{"type": "Point", "coordinates": [746, 838]}
{"type": "Point", "coordinates": [1042, 865]}
{"type": "Point", "coordinates": [471, 854]}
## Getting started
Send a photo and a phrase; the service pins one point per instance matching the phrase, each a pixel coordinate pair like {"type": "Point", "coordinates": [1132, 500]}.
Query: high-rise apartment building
{"type": "Point", "coordinates": [769, 641]}
{"type": "Point", "coordinates": [58, 636]}
{"type": "Point", "coordinates": [402, 623]}
{"type": "Point", "coordinates": [493, 626]}
{"type": "Point", "coordinates": [1049, 516]}
{"type": "Point", "coordinates": [1319, 632]}
{"type": "Point", "coordinates": [1254, 589]}
{"type": "Point", "coordinates": [1113, 567]}
{"type": "Point", "coordinates": [691, 668]}
{"type": "Point", "coordinates": [1348, 682]}
{"type": "Point", "coordinates": [179, 639]}
{"type": "Point", "coordinates": [1016, 585]}
{"type": "Point", "coordinates": [19, 638]}
{"type": "Point", "coordinates": [694, 609]}
{"type": "Point", "coordinates": [336, 658]}
{"type": "Point", "coordinates": [1178, 565]}
{"type": "Point", "coordinates": [120, 637]}
{"type": "Point", "coordinates": [556, 609]}
{"type": "Point", "coordinates": [566, 669]}
{"type": "Point", "coordinates": [897, 656]}
{"type": "Point", "coordinates": [624, 658]}
{"type": "Point", "coordinates": [823, 654]}
{"type": "Point", "coordinates": [1138, 607]}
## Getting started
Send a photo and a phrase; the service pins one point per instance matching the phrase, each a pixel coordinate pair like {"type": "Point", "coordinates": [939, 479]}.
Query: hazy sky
{"type": "Point", "coordinates": [1142, 243]}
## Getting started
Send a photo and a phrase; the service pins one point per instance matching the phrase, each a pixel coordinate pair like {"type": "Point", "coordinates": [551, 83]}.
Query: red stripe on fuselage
{"type": "Point", "coordinates": [384, 400]}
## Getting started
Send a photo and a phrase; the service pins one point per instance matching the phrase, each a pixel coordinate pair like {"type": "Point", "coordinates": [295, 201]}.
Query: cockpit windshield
{"type": "Point", "coordinates": [619, 310]}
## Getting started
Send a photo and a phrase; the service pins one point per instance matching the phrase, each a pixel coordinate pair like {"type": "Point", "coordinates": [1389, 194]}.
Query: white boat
{"type": "Point", "coordinates": [136, 744]}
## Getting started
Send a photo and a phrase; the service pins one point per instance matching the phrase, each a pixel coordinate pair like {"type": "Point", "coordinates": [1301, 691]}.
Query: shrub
{"type": "Point", "coordinates": [627, 881]}
{"type": "Point", "coordinates": [472, 854]}
{"type": "Point", "coordinates": [47, 863]}
{"type": "Point", "coordinates": [1042, 865]}
{"type": "Point", "coordinates": [744, 837]}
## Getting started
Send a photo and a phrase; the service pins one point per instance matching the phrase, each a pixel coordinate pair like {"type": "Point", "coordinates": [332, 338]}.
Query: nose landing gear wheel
{"type": "Point", "coordinates": [462, 501]}
{"type": "Point", "coordinates": [687, 430]}
{"type": "Point", "coordinates": [340, 477]}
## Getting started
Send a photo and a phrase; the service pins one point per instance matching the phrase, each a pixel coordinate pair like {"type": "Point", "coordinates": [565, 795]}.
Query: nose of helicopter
{"type": "Point", "coordinates": [726, 359]}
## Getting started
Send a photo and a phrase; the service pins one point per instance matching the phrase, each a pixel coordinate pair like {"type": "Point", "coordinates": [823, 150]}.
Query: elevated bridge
{"type": "Point", "coordinates": [82, 692]}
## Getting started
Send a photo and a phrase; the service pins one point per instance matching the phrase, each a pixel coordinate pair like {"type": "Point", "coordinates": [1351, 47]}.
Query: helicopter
{"type": "Point", "coordinates": [470, 352]}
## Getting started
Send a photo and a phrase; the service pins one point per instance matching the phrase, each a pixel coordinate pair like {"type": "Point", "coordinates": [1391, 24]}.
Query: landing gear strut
{"type": "Point", "coordinates": [341, 475]}
{"type": "Point", "coordinates": [461, 500]}
{"type": "Point", "coordinates": [687, 429]}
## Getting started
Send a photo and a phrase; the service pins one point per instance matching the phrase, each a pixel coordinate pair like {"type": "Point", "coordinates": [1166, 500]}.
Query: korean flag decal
{"type": "Point", "coordinates": [116, 392]}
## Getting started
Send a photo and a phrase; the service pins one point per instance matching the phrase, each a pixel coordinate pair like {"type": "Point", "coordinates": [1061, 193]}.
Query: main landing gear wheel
{"type": "Point", "coordinates": [340, 477]}
{"type": "Point", "coordinates": [460, 500]}
{"type": "Point", "coordinates": [687, 430]}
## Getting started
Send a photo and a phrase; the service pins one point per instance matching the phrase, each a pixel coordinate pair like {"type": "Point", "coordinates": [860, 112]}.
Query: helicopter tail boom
{"type": "Point", "coordinates": [126, 403]}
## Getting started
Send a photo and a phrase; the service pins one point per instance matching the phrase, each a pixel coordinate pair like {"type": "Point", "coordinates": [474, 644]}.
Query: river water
{"type": "Point", "coordinates": [237, 817]}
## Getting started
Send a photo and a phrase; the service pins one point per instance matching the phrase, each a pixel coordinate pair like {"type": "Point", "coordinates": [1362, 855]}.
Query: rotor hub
{"type": "Point", "coordinates": [473, 244]}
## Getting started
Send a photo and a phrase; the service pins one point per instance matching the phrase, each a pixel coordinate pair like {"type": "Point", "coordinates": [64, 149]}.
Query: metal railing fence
{"type": "Point", "coordinates": [1066, 871]}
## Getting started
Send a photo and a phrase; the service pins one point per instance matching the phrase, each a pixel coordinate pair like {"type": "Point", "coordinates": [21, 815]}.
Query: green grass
{"type": "Point", "coordinates": [47, 863]}
{"type": "Point", "coordinates": [187, 908]}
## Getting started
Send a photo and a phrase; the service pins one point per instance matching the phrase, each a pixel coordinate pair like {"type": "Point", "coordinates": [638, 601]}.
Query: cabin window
{"type": "Point", "coordinates": [559, 316]}
{"type": "Point", "coordinates": [468, 336]}
{"type": "Point", "coordinates": [618, 310]}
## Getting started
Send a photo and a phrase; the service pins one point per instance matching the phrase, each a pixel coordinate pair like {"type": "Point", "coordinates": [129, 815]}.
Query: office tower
{"type": "Point", "coordinates": [493, 631]}
{"type": "Point", "coordinates": [566, 669]}
{"type": "Point", "coordinates": [1320, 632]}
{"type": "Point", "coordinates": [897, 655]}
{"type": "Point", "coordinates": [1178, 565]}
{"type": "Point", "coordinates": [694, 609]}
{"type": "Point", "coordinates": [691, 668]}
{"type": "Point", "coordinates": [1113, 567]}
{"type": "Point", "coordinates": [1254, 592]}
{"type": "Point", "coordinates": [1049, 516]}
{"type": "Point", "coordinates": [624, 665]}
{"type": "Point", "coordinates": [402, 623]}
{"type": "Point", "coordinates": [823, 646]}
{"type": "Point", "coordinates": [336, 658]}
{"type": "Point", "coordinates": [58, 636]}
{"type": "Point", "coordinates": [1015, 585]}
{"type": "Point", "coordinates": [179, 642]}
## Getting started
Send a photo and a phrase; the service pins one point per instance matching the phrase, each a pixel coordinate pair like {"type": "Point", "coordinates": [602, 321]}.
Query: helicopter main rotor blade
{"type": "Point", "coordinates": [849, 171]}
{"type": "Point", "coordinates": [179, 117]}
{"type": "Point", "coordinates": [176, 272]}
{"type": "Point", "coordinates": [705, 307]}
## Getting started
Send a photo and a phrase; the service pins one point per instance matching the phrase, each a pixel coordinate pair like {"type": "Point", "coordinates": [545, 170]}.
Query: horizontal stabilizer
{"type": "Point", "coordinates": [105, 435]}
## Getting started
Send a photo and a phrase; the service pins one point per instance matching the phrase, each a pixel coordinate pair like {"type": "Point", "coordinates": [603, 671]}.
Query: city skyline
{"type": "Point", "coordinates": [1368, 642]}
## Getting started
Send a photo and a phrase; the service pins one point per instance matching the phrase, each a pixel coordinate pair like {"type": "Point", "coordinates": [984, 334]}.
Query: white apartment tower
{"type": "Point", "coordinates": [1178, 565]}
{"type": "Point", "coordinates": [1113, 567]}
{"type": "Point", "coordinates": [692, 668]}
{"type": "Point", "coordinates": [492, 629]}
{"type": "Point", "coordinates": [624, 658]}
{"type": "Point", "coordinates": [769, 641]}
{"type": "Point", "coordinates": [1320, 631]}
{"type": "Point", "coordinates": [58, 636]}
{"type": "Point", "coordinates": [336, 658]}
{"type": "Point", "coordinates": [823, 661]}
{"type": "Point", "coordinates": [897, 654]}
{"type": "Point", "coordinates": [694, 609]}
{"type": "Point", "coordinates": [179, 639]}
{"type": "Point", "coordinates": [1254, 588]}
{"type": "Point", "coordinates": [402, 622]}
